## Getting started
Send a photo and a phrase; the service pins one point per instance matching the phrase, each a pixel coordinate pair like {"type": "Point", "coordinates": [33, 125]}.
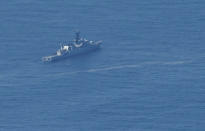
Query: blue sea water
{"type": "Point", "coordinates": [148, 76]}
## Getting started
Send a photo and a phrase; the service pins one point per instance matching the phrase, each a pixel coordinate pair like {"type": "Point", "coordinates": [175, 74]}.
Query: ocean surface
{"type": "Point", "coordinates": [149, 74]}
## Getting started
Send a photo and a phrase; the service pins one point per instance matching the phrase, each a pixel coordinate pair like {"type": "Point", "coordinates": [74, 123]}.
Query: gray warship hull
{"type": "Point", "coordinates": [74, 52]}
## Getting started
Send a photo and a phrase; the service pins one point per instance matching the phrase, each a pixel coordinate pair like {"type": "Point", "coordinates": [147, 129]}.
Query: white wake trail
{"type": "Point", "coordinates": [117, 67]}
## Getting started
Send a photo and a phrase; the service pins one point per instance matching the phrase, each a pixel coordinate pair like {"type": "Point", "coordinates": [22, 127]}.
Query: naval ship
{"type": "Point", "coordinates": [77, 46]}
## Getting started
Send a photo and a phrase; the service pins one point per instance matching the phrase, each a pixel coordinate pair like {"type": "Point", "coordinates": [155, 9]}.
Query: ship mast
{"type": "Point", "coordinates": [77, 36]}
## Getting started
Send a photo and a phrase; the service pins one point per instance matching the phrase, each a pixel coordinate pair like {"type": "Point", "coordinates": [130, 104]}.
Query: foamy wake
{"type": "Point", "coordinates": [118, 67]}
